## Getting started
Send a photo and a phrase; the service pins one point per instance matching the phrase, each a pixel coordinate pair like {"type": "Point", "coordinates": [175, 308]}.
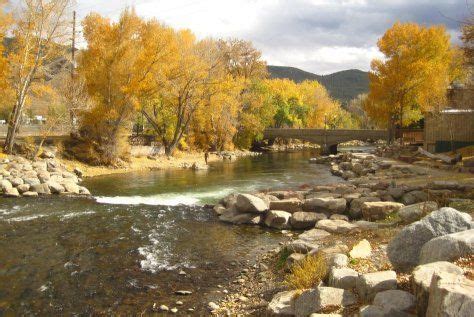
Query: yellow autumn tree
{"type": "Point", "coordinates": [419, 65]}
{"type": "Point", "coordinates": [216, 121]}
{"type": "Point", "coordinates": [41, 27]}
{"type": "Point", "coordinates": [119, 67]}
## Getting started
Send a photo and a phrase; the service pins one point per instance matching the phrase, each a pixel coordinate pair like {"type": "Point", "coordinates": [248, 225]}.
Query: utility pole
{"type": "Point", "coordinates": [72, 88]}
{"type": "Point", "coordinates": [73, 46]}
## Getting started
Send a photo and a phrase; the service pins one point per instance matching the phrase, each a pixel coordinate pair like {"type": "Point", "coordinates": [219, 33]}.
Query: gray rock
{"type": "Point", "coordinates": [250, 203]}
{"type": "Point", "coordinates": [414, 197]}
{"type": "Point", "coordinates": [448, 248]}
{"type": "Point", "coordinates": [395, 192]}
{"type": "Point", "coordinates": [32, 181]}
{"type": "Point", "coordinates": [23, 188]}
{"type": "Point", "coordinates": [5, 185]}
{"type": "Point", "coordinates": [415, 212]}
{"type": "Point", "coordinates": [451, 295]}
{"type": "Point", "coordinates": [307, 241]}
{"type": "Point", "coordinates": [421, 281]}
{"type": "Point", "coordinates": [16, 181]}
{"type": "Point", "coordinates": [282, 304]}
{"type": "Point", "coordinates": [11, 192]}
{"type": "Point", "coordinates": [294, 258]}
{"type": "Point", "coordinates": [339, 217]}
{"type": "Point", "coordinates": [404, 249]}
{"type": "Point", "coordinates": [305, 220]}
{"type": "Point", "coordinates": [369, 284]}
{"type": "Point", "coordinates": [379, 210]}
{"type": "Point", "coordinates": [71, 187]}
{"type": "Point", "coordinates": [219, 209]}
{"type": "Point", "coordinates": [336, 226]}
{"type": "Point", "coordinates": [40, 166]}
{"type": "Point", "coordinates": [338, 260]}
{"type": "Point", "coordinates": [78, 172]}
{"type": "Point", "coordinates": [395, 299]}
{"type": "Point", "coordinates": [278, 219]}
{"type": "Point", "coordinates": [55, 187]}
{"type": "Point", "coordinates": [30, 194]}
{"type": "Point", "coordinates": [328, 205]}
{"type": "Point", "coordinates": [290, 205]}
{"type": "Point", "coordinates": [355, 210]}
{"type": "Point", "coordinates": [41, 189]}
{"type": "Point", "coordinates": [344, 278]}
{"type": "Point", "coordinates": [232, 216]}
{"type": "Point", "coordinates": [376, 311]}
{"type": "Point", "coordinates": [44, 176]}
{"type": "Point", "coordinates": [318, 299]}
{"type": "Point", "coordinates": [361, 250]}
{"type": "Point", "coordinates": [84, 191]}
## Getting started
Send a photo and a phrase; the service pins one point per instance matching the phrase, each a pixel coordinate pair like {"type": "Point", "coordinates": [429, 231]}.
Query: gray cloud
{"type": "Point", "coordinates": [304, 26]}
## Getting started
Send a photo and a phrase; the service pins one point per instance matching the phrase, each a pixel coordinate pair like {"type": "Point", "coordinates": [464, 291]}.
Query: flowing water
{"type": "Point", "coordinates": [123, 250]}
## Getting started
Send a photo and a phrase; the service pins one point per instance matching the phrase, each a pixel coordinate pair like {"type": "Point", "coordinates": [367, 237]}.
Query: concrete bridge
{"type": "Point", "coordinates": [329, 139]}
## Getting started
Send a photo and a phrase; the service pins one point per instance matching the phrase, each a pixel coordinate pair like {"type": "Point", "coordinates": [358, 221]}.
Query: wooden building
{"type": "Point", "coordinates": [453, 127]}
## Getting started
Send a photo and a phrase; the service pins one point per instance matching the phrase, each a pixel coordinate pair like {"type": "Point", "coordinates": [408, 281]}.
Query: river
{"type": "Point", "coordinates": [122, 251]}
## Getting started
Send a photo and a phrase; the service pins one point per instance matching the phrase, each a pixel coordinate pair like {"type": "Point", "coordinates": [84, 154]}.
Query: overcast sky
{"type": "Point", "coordinates": [320, 36]}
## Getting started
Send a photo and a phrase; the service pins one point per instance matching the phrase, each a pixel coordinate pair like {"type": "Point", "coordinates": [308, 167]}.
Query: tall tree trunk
{"type": "Point", "coordinates": [13, 125]}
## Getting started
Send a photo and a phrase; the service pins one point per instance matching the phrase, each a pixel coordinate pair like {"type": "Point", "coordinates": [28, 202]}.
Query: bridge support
{"type": "Point", "coordinates": [329, 149]}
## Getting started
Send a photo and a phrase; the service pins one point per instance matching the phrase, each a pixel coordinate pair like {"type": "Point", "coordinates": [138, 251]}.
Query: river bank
{"type": "Point", "coordinates": [182, 160]}
{"type": "Point", "coordinates": [369, 222]}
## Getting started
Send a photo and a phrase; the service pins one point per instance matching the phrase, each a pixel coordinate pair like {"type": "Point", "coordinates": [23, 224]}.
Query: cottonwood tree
{"type": "Point", "coordinates": [119, 66]}
{"type": "Point", "coordinates": [216, 120]}
{"type": "Point", "coordinates": [184, 89]}
{"type": "Point", "coordinates": [419, 64]}
{"type": "Point", "coordinates": [40, 29]}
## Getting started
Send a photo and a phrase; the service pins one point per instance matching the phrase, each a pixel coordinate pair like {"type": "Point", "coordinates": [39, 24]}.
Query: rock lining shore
{"type": "Point", "coordinates": [418, 278]}
{"type": "Point", "coordinates": [20, 177]}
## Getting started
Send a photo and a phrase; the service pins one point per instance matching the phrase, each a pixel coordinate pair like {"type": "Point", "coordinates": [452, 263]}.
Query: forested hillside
{"type": "Point", "coordinates": [344, 85]}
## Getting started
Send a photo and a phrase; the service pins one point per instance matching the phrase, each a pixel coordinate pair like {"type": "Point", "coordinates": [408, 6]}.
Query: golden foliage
{"type": "Point", "coordinates": [307, 273]}
{"type": "Point", "coordinates": [419, 65]}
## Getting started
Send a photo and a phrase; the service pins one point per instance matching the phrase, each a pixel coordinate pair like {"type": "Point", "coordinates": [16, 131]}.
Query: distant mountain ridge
{"type": "Point", "coordinates": [343, 86]}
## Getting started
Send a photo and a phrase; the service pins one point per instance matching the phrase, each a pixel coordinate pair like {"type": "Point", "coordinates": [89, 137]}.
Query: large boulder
{"type": "Point", "coordinates": [448, 248]}
{"type": "Point", "coordinates": [326, 205]}
{"type": "Point", "coordinates": [290, 205]}
{"type": "Point", "coordinates": [369, 284]}
{"type": "Point", "coordinates": [232, 216]}
{"type": "Point", "coordinates": [318, 299]}
{"type": "Point", "coordinates": [278, 219]}
{"type": "Point", "coordinates": [250, 203]}
{"type": "Point", "coordinates": [404, 249]}
{"type": "Point", "coordinates": [282, 304]}
{"type": "Point", "coordinates": [379, 210]}
{"type": "Point", "coordinates": [414, 197]}
{"type": "Point", "coordinates": [345, 278]}
{"type": "Point", "coordinates": [336, 226]}
{"type": "Point", "coordinates": [305, 220]}
{"type": "Point", "coordinates": [394, 302]}
{"type": "Point", "coordinates": [411, 213]}
{"type": "Point", "coordinates": [355, 210]}
{"type": "Point", "coordinates": [451, 295]}
{"type": "Point", "coordinates": [421, 281]}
